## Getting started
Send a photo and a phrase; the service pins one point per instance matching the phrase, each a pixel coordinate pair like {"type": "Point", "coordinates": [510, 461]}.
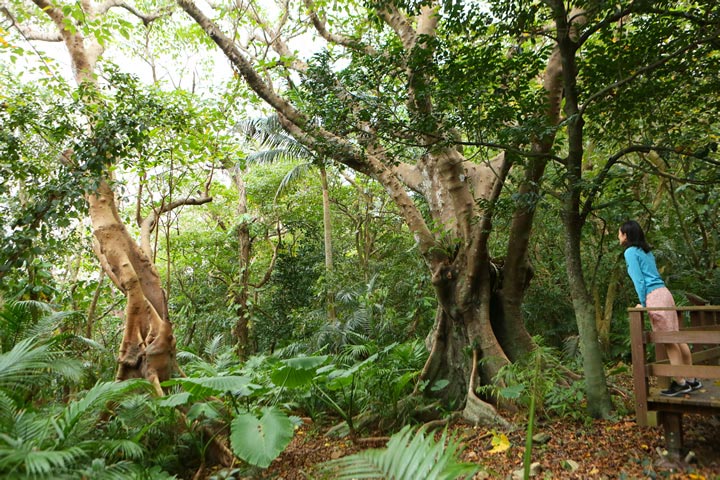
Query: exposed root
{"type": "Point", "coordinates": [443, 422]}
{"type": "Point", "coordinates": [478, 412]}
{"type": "Point", "coordinates": [372, 440]}
{"type": "Point", "coordinates": [200, 472]}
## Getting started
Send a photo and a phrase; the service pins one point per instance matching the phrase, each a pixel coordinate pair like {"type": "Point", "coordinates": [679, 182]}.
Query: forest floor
{"type": "Point", "coordinates": [590, 449]}
{"type": "Point", "coordinates": [599, 449]}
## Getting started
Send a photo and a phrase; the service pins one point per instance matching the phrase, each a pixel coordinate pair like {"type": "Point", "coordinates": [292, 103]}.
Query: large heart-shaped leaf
{"type": "Point", "coordinates": [259, 441]}
{"type": "Point", "coordinates": [297, 372]}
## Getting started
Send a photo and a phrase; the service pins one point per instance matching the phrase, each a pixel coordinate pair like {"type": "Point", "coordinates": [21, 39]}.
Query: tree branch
{"type": "Point", "coordinates": [400, 23]}
{"type": "Point", "coordinates": [147, 18]}
{"type": "Point", "coordinates": [345, 41]}
{"type": "Point", "coordinates": [149, 222]}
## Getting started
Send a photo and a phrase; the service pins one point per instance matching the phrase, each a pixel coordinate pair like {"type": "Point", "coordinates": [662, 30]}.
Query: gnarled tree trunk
{"type": "Point", "coordinates": [147, 349]}
{"type": "Point", "coordinates": [148, 345]}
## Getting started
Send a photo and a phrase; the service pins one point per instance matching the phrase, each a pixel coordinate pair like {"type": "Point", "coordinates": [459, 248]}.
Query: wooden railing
{"type": "Point", "coordinates": [700, 329]}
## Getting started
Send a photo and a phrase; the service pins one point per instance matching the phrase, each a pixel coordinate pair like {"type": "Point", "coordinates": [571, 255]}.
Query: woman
{"type": "Point", "coordinates": [652, 292]}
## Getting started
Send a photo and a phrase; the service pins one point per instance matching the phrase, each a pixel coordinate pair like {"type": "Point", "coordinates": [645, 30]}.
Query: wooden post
{"type": "Point", "coordinates": [637, 348]}
{"type": "Point", "coordinates": [672, 425]}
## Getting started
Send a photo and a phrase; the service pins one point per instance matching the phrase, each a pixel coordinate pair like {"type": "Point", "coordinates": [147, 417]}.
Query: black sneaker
{"type": "Point", "coordinates": [676, 389]}
{"type": "Point", "coordinates": [695, 385]}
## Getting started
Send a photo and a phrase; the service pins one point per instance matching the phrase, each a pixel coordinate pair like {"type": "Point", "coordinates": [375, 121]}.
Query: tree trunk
{"type": "Point", "coordinates": [517, 272]}
{"type": "Point", "coordinates": [147, 349]}
{"type": "Point", "coordinates": [598, 397]}
{"type": "Point", "coordinates": [327, 235]}
{"type": "Point", "coordinates": [605, 323]}
{"type": "Point", "coordinates": [242, 288]}
{"type": "Point", "coordinates": [148, 345]}
{"type": "Point", "coordinates": [462, 336]}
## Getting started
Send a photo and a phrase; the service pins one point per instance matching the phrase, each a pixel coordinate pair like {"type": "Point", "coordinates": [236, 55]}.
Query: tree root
{"type": "Point", "coordinates": [478, 412]}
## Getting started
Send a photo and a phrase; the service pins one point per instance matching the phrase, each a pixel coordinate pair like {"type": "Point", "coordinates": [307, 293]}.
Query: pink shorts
{"type": "Point", "coordinates": [666, 320]}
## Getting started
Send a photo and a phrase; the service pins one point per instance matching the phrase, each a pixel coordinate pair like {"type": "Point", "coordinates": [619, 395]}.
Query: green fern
{"type": "Point", "coordinates": [16, 318]}
{"type": "Point", "coordinates": [29, 360]}
{"type": "Point", "coordinates": [409, 455]}
{"type": "Point", "coordinates": [47, 445]}
{"type": "Point", "coordinates": [95, 400]}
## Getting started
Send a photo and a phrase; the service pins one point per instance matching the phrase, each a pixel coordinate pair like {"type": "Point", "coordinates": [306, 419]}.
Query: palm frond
{"type": "Point", "coordinates": [29, 360]}
{"type": "Point", "coordinates": [410, 353]}
{"type": "Point", "coordinates": [268, 132]}
{"type": "Point", "coordinates": [409, 455]}
{"type": "Point", "coordinates": [571, 347]}
{"type": "Point", "coordinates": [99, 470]}
{"type": "Point", "coordinates": [8, 410]}
{"type": "Point", "coordinates": [188, 356]}
{"type": "Point", "coordinates": [350, 354]}
{"type": "Point", "coordinates": [293, 175]}
{"type": "Point", "coordinates": [48, 323]}
{"type": "Point", "coordinates": [255, 128]}
{"type": "Point", "coordinates": [37, 462]}
{"type": "Point", "coordinates": [359, 320]}
{"type": "Point", "coordinates": [213, 346]}
{"type": "Point", "coordinates": [45, 461]}
{"type": "Point", "coordinates": [123, 448]}
{"type": "Point", "coordinates": [270, 156]}
{"type": "Point", "coordinates": [95, 400]}
{"type": "Point", "coordinates": [16, 318]}
{"type": "Point", "coordinates": [26, 358]}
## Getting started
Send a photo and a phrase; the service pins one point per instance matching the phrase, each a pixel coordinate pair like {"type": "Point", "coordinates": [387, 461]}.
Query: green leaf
{"type": "Point", "coordinates": [297, 372]}
{"type": "Point", "coordinates": [202, 410]}
{"type": "Point", "coordinates": [439, 385]}
{"type": "Point", "coordinates": [259, 441]}
{"type": "Point", "coordinates": [174, 400]}
{"type": "Point", "coordinates": [208, 386]}
{"type": "Point", "coordinates": [513, 392]}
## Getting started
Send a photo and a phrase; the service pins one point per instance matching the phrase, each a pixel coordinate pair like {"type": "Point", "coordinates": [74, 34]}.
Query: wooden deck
{"type": "Point", "coordinates": [700, 329]}
{"type": "Point", "coordinates": [707, 397]}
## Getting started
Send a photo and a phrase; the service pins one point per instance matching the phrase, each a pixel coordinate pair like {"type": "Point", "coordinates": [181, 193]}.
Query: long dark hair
{"type": "Point", "coordinates": [635, 235]}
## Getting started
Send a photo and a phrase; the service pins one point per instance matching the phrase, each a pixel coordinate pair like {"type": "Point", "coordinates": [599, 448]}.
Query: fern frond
{"type": "Point", "coordinates": [409, 455]}
{"type": "Point", "coordinates": [122, 448]}
{"type": "Point", "coordinates": [25, 358]}
{"type": "Point", "coordinates": [95, 400]}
